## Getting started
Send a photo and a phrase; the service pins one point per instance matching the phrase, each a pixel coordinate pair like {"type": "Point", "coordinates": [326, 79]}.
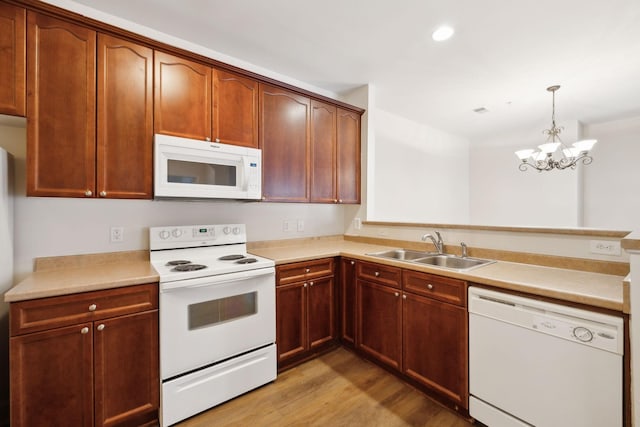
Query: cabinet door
{"type": "Point", "coordinates": [435, 346]}
{"type": "Point", "coordinates": [284, 138]}
{"type": "Point", "coordinates": [12, 60]}
{"type": "Point", "coordinates": [125, 119]}
{"type": "Point", "coordinates": [380, 322]}
{"type": "Point", "coordinates": [182, 104]}
{"type": "Point", "coordinates": [323, 153]}
{"type": "Point", "coordinates": [348, 301]}
{"type": "Point", "coordinates": [291, 320]}
{"type": "Point", "coordinates": [348, 157]}
{"type": "Point", "coordinates": [321, 311]}
{"type": "Point", "coordinates": [127, 383]}
{"type": "Point", "coordinates": [52, 377]}
{"type": "Point", "coordinates": [61, 98]}
{"type": "Point", "coordinates": [235, 109]}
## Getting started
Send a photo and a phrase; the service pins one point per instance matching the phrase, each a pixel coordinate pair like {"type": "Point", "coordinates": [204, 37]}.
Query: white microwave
{"type": "Point", "coordinates": [193, 169]}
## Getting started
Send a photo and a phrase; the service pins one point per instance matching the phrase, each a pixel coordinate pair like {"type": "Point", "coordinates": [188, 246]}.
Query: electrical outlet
{"type": "Point", "coordinates": [357, 223]}
{"type": "Point", "coordinates": [604, 247]}
{"type": "Point", "coordinates": [300, 225]}
{"type": "Point", "coordinates": [286, 225]}
{"type": "Point", "coordinates": [117, 234]}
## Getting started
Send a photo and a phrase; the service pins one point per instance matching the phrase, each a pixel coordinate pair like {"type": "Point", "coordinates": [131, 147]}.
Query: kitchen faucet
{"type": "Point", "coordinates": [439, 244]}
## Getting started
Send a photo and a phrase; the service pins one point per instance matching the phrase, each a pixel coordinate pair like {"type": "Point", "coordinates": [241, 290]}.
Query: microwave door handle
{"type": "Point", "coordinates": [245, 173]}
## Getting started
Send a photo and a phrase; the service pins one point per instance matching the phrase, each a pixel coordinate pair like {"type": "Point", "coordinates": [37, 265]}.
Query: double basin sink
{"type": "Point", "coordinates": [450, 262]}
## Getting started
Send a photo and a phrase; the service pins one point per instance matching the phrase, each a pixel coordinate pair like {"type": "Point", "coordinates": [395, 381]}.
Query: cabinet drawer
{"type": "Point", "coordinates": [306, 270]}
{"type": "Point", "coordinates": [47, 313]}
{"type": "Point", "coordinates": [444, 289]}
{"type": "Point", "coordinates": [379, 273]}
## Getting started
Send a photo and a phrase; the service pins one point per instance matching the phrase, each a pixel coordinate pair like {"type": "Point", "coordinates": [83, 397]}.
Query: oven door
{"type": "Point", "coordinates": [207, 320]}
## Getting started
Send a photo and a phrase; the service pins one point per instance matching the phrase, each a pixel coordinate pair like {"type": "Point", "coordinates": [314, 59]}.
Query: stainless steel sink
{"type": "Point", "coordinates": [403, 254]}
{"type": "Point", "coordinates": [453, 262]}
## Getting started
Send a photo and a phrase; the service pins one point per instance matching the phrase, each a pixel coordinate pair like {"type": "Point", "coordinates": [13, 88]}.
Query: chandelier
{"type": "Point", "coordinates": [554, 154]}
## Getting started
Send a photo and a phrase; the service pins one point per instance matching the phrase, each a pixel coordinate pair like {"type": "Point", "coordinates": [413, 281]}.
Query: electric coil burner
{"type": "Point", "coordinates": [217, 317]}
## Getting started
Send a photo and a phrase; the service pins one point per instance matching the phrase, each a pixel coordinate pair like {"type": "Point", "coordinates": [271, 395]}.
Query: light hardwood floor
{"type": "Point", "coordinates": [336, 389]}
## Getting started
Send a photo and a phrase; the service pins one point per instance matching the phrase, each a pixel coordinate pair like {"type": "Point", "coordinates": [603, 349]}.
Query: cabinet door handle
{"type": "Point", "coordinates": [101, 326]}
{"type": "Point", "coordinates": [206, 138]}
{"type": "Point", "coordinates": [305, 285]}
{"type": "Point", "coordinates": [217, 139]}
{"type": "Point", "coordinates": [103, 193]}
{"type": "Point", "coordinates": [88, 193]}
{"type": "Point", "coordinates": [339, 200]}
{"type": "Point", "coordinates": [353, 263]}
{"type": "Point", "coordinates": [307, 270]}
{"type": "Point", "coordinates": [396, 294]}
{"type": "Point", "coordinates": [377, 273]}
{"type": "Point", "coordinates": [404, 296]}
{"type": "Point", "coordinates": [84, 330]}
{"type": "Point", "coordinates": [93, 307]}
{"type": "Point", "coordinates": [429, 286]}
{"type": "Point", "coordinates": [311, 283]}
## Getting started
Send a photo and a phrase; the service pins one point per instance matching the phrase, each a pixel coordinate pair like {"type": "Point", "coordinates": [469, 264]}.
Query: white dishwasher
{"type": "Point", "coordinates": [533, 363]}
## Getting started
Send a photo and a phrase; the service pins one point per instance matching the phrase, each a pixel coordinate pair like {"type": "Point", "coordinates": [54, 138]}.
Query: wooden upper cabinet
{"type": "Point", "coordinates": [182, 104]}
{"type": "Point", "coordinates": [61, 100]}
{"type": "Point", "coordinates": [235, 109]}
{"type": "Point", "coordinates": [125, 119]}
{"type": "Point", "coordinates": [323, 152]}
{"type": "Point", "coordinates": [12, 60]}
{"type": "Point", "coordinates": [348, 156]}
{"type": "Point", "coordinates": [284, 138]}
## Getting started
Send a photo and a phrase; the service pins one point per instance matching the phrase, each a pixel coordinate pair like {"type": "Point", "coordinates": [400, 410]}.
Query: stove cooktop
{"type": "Point", "coordinates": [181, 253]}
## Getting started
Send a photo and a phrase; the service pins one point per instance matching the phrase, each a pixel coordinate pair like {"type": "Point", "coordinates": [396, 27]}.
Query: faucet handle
{"type": "Point", "coordinates": [464, 249]}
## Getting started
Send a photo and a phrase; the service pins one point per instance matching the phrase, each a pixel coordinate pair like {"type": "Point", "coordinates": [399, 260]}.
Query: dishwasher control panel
{"type": "Point", "coordinates": [581, 326]}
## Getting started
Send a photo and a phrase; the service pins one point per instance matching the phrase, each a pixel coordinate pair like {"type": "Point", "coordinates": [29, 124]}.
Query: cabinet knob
{"type": "Point", "coordinates": [311, 283]}
{"type": "Point", "coordinates": [339, 200]}
{"type": "Point", "coordinates": [396, 294]}
{"type": "Point", "coordinates": [84, 330]}
{"type": "Point", "coordinates": [207, 139]}
{"type": "Point", "coordinates": [101, 326]}
{"type": "Point", "coordinates": [103, 193]}
{"type": "Point", "coordinates": [353, 263]}
{"type": "Point", "coordinates": [377, 273]}
{"type": "Point", "coordinates": [404, 296]}
{"type": "Point", "coordinates": [307, 270]}
{"type": "Point", "coordinates": [429, 286]}
{"type": "Point", "coordinates": [335, 200]}
{"type": "Point", "coordinates": [217, 139]}
{"type": "Point", "coordinates": [304, 286]}
{"type": "Point", "coordinates": [88, 193]}
{"type": "Point", "coordinates": [93, 307]}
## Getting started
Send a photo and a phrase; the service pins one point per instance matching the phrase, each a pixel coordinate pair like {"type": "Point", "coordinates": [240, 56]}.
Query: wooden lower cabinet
{"type": "Point", "coordinates": [435, 346]}
{"type": "Point", "coordinates": [348, 301]}
{"type": "Point", "coordinates": [102, 372]}
{"type": "Point", "coordinates": [305, 310]}
{"type": "Point", "coordinates": [379, 322]}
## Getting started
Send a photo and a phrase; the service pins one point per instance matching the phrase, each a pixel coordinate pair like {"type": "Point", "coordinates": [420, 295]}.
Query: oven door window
{"type": "Point", "coordinates": [185, 172]}
{"type": "Point", "coordinates": [213, 312]}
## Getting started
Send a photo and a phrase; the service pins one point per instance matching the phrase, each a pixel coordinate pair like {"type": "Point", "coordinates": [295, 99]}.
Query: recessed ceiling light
{"type": "Point", "coordinates": [443, 33]}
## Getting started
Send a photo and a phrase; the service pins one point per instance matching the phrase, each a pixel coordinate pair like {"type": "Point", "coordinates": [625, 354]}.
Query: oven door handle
{"type": "Point", "coordinates": [216, 280]}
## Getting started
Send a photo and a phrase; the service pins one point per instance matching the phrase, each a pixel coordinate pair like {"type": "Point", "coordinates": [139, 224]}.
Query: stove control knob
{"type": "Point", "coordinates": [164, 234]}
{"type": "Point", "coordinates": [226, 230]}
{"type": "Point", "coordinates": [236, 230]}
{"type": "Point", "coordinates": [176, 232]}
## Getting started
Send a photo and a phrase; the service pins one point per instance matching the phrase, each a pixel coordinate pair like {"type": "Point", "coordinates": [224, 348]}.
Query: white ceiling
{"type": "Point", "coordinates": [503, 55]}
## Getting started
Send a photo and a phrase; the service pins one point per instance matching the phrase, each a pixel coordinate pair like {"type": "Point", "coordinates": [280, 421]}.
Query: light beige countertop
{"type": "Point", "coordinates": [68, 275]}
{"type": "Point", "coordinates": [75, 279]}
{"type": "Point", "coordinates": [595, 289]}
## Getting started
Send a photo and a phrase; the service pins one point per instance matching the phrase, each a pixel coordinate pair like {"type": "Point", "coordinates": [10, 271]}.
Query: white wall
{"type": "Point", "coordinates": [612, 181]}
{"type": "Point", "coordinates": [501, 194]}
{"type": "Point", "coordinates": [51, 226]}
{"type": "Point", "coordinates": [421, 173]}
